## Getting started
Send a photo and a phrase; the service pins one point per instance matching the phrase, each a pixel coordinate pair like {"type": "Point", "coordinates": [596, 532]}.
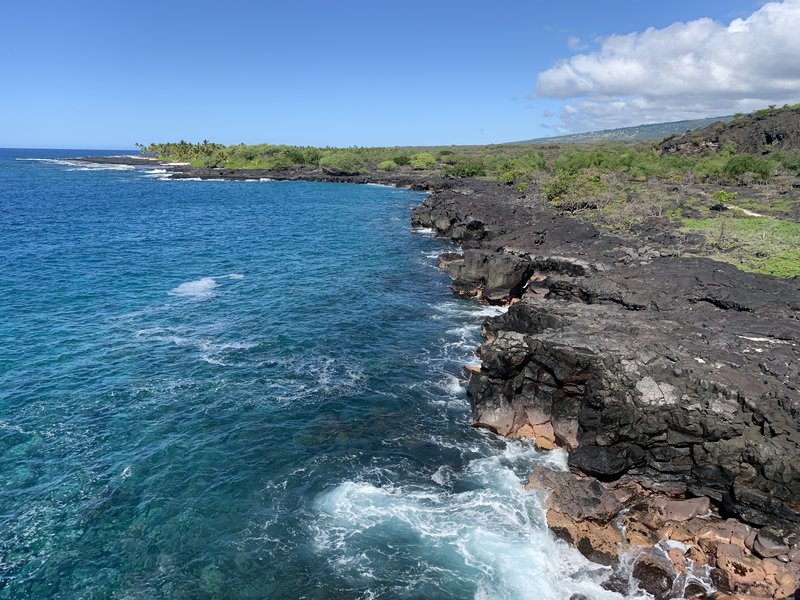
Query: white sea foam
{"type": "Point", "coordinates": [101, 167]}
{"type": "Point", "coordinates": [5, 425]}
{"type": "Point", "coordinates": [80, 165]}
{"type": "Point", "coordinates": [443, 475]}
{"type": "Point", "coordinates": [490, 311]}
{"type": "Point", "coordinates": [265, 179]}
{"type": "Point", "coordinates": [153, 171]}
{"type": "Point", "coordinates": [211, 349]}
{"type": "Point", "coordinates": [331, 374]}
{"type": "Point", "coordinates": [453, 386]}
{"type": "Point", "coordinates": [493, 532]}
{"type": "Point", "coordinates": [199, 288]}
{"type": "Point", "coordinates": [55, 161]}
{"type": "Point", "coordinates": [425, 231]}
{"type": "Point", "coordinates": [226, 354]}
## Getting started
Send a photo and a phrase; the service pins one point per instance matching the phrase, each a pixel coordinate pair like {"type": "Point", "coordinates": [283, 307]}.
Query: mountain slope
{"type": "Point", "coordinates": [654, 131]}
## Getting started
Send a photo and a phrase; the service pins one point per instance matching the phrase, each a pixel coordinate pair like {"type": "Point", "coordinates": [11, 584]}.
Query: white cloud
{"type": "Point", "coordinates": [575, 43]}
{"type": "Point", "coordinates": [687, 70]}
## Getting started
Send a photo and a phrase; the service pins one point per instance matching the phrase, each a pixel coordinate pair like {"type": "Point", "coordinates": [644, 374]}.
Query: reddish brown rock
{"type": "Point", "coordinates": [788, 584]}
{"type": "Point", "coordinates": [680, 510]}
{"type": "Point", "coordinates": [741, 572]}
{"type": "Point", "coordinates": [472, 369]}
{"type": "Point", "coordinates": [581, 511]}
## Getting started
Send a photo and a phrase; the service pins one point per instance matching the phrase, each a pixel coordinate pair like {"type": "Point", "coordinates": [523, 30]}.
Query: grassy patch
{"type": "Point", "coordinates": [785, 264]}
{"type": "Point", "coordinates": [776, 207]}
{"type": "Point", "coordinates": [764, 245]}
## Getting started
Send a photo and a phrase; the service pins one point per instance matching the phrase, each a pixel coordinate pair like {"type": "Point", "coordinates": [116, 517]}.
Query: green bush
{"type": "Point", "coordinates": [402, 159]}
{"type": "Point", "coordinates": [531, 161]}
{"type": "Point", "coordinates": [246, 153]}
{"type": "Point", "coordinates": [423, 160]}
{"type": "Point", "coordinates": [387, 165]}
{"type": "Point", "coordinates": [342, 163]}
{"type": "Point", "coordinates": [311, 156]}
{"type": "Point", "coordinates": [581, 190]}
{"type": "Point", "coordinates": [293, 155]}
{"type": "Point", "coordinates": [738, 165]}
{"type": "Point", "coordinates": [709, 169]}
{"type": "Point", "coordinates": [507, 176]}
{"type": "Point", "coordinates": [473, 168]}
{"type": "Point", "coordinates": [788, 160]}
{"type": "Point", "coordinates": [279, 162]}
{"type": "Point", "coordinates": [214, 161]}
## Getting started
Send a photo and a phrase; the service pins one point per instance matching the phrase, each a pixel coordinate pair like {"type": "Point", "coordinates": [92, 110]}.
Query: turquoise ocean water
{"type": "Point", "coordinates": [217, 389]}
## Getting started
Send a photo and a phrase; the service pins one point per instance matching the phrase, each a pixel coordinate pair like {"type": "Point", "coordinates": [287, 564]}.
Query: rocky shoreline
{"type": "Point", "coordinates": [673, 384]}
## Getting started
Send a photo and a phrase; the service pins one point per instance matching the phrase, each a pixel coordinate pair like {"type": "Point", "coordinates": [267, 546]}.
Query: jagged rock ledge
{"type": "Point", "coordinates": [673, 383]}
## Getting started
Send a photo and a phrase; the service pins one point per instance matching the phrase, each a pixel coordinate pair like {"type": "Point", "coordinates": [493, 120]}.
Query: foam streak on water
{"type": "Point", "coordinates": [217, 390]}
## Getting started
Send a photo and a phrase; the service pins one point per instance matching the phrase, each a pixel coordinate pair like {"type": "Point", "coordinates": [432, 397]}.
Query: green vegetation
{"type": "Point", "coordinates": [509, 164]}
{"type": "Point", "coordinates": [784, 264]}
{"type": "Point", "coordinates": [342, 163]}
{"type": "Point", "coordinates": [762, 244]}
{"type": "Point", "coordinates": [423, 160]}
{"type": "Point", "coordinates": [577, 190]}
{"type": "Point", "coordinates": [620, 187]}
{"type": "Point", "coordinates": [470, 168]}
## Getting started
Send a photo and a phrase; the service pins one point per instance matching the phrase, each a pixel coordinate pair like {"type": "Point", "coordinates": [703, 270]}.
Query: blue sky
{"type": "Point", "coordinates": [109, 74]}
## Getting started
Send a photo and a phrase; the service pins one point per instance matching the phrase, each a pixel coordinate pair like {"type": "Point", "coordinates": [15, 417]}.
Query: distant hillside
{"type": "Point", "coordinates": [760, 132]}
{"type": "Point", "coordinates": [654, 131]}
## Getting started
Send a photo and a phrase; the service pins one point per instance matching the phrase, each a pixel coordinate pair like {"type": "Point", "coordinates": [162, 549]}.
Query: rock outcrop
{"type": "Point", "coordinates": [681, 375]}
{"type": "Point", "coordinates": [761, 132]}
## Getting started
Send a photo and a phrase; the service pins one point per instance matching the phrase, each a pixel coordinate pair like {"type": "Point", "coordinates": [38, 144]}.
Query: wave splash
{"type": "Point", "coordinates": [477, 524]}
{"type": "Point", "coordinates": [199, 288]}
{"type": "Point", "coordinates": [202, 288]}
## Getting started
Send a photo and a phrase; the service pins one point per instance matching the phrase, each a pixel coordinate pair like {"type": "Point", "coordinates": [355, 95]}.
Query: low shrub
{"type": "Point", "coordinates": [473, 168]}
{"type": "Point", "coordinates": [738, 165]}
{"type": "Point", "coordinates": [342, 163]}
{"type": "Point", "coordinates": [581, 190]}
{"type": "Point", "coordinates": [724, 196]}
{"type": "Point", "coordinates": [214, 161]}
{"type": "Point", "coordinates": [423, 160]}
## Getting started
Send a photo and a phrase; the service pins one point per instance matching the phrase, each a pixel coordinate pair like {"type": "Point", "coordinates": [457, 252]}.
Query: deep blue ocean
{"type": "Point", "coordinates": [217, 389]}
